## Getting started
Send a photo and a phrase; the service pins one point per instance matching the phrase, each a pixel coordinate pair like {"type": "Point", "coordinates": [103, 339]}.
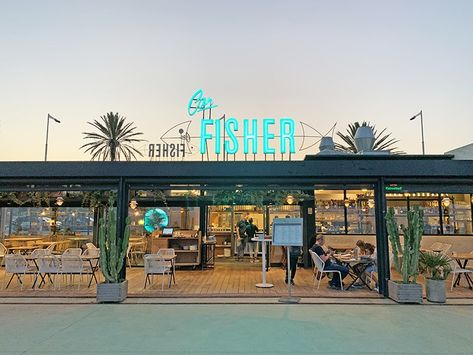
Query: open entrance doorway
{"type": "Point", "coordinates": [222, 222]}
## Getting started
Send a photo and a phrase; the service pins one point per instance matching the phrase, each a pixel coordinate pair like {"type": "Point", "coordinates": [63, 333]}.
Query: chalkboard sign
{"type": "Point", "coordinates": [287, 231]}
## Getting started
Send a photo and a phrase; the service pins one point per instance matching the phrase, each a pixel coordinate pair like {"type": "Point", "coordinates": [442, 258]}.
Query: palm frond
{"type": "Point", "coordinates": [113, 139]}
{"type": "Point", "coordinates": [382, 141]}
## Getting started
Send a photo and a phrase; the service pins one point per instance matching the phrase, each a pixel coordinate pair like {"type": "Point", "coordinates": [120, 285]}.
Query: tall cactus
{"type": "Point", "coordinates": [112, 253]}
{"type": "Point", "coordinates": [406, 258]}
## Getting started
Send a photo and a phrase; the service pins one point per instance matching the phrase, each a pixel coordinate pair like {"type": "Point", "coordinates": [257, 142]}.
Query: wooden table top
{"type": "Point", "coordinates": [463, 256]}
{"type": "Point", "coordinates": [78, 238]}
{"type": "Point", "coordinates": [136, 239]}
{"type": "Point", "coordinates": [23, 239]}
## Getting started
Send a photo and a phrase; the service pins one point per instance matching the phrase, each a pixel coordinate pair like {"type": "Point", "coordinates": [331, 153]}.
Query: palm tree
{"type": "Point", "coordinates": [113, 139]}
{"type": "Point", "coordinates": [382, 141]}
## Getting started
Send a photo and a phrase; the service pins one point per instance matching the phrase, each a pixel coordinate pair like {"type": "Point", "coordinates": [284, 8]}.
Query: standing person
{"type": "Point", "coordinates": [242, 237]}
{"type": "Point", "coordinates": [329, 265]}
{"type": "Point", "coordinates": [251, 230]}
{"type": "Point", "coordinates": [294, 253]}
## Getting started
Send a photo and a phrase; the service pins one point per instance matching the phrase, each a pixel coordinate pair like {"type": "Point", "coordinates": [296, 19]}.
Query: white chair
{"type": "Point", "coordinates": [319, 265]}
{"type": "Point", "coordinates": [73, 251]}
{"type": "Point", "coordinates": [17, 265]}
{"type": "Point", "coordinates": [135, 251]}
{"type": "Point", "coordinates": [90, 246]}
{"type": "Point", "coordinates": [52, 247]}
{"type": "Point", "coordinates": [445, 248]}
{"type": "Point", "coordinates": [156, 265]}
{"type": "Point", "coordinates": [457, 270]}
{"type": "Point", "coordinates": [48, 265]}
{"type": "Point", "coordinates": [437, 246]}
{"type": "Point", "coordinates": [40, 252]}
{"type": "Point", "coordinates": [3, 252]}
{"type": "Point", "coordinates": [72, 265]}
{"type": "Point", "coordinates": [92, 265]}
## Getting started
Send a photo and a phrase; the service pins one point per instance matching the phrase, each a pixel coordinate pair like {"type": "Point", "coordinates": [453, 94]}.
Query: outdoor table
{"type": "Point", "coordinates": [45, 243]}
{"type": "Point", "coordinates": [93, 266]}
{"type": "Point", "coordinates": [264, 243]}
{"type": "Point", "coordinates": [23, 249]}
{"type": "Point", "coordinates": [465, 257]}
{"type": "Point", "coordinates": [340, 247]}
{"type": "Point", "coordinates": [23, 239]}
{"type": "Point", "coordinates": [356, 268]}
{"type": "Point", "coordinates": [78, 240]}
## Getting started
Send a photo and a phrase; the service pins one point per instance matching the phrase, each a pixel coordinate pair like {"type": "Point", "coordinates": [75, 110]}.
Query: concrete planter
{"type": "Point", "coordinates": [435, 290]}
{"type": "Point", "coordinates": [112, 292]}
{"type": "Point", "coordinates": [405, 293]}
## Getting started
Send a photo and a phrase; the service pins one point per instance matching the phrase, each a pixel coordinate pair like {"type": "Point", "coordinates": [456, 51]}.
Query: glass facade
{"type": "Point", "coordinates": [444, 214]}
{"type": "Point", "coordinates": [344, 211]}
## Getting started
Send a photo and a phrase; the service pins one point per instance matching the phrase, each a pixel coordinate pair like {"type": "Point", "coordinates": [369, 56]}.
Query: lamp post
{"type": "Point", "coordinates": [421, 129]}
{"type": "Point", "coordinates": [47, 135]}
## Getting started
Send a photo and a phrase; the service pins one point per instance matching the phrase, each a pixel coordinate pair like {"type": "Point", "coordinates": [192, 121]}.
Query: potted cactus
{"type": "Point", "coordinates": [406, 256]}
{"type": "Point", "coordinates": [112, 257]}
{"type": "Point", "coordinates": [436, 268]}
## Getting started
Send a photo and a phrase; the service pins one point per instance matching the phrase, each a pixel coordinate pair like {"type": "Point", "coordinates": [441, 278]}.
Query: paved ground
{"type": "Point", "coordinates": [234, 328]}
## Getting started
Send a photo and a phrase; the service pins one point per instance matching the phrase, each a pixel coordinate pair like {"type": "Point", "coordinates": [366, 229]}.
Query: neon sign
{"type": "Point", "coordinates": [211, 130]}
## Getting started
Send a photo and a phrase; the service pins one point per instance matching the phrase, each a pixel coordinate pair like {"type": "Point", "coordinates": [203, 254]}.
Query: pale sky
{"type": "Point", "coordinates": [319, 62]}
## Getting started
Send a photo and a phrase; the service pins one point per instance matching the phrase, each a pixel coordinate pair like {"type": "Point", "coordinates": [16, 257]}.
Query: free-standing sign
{"type": "Point", "coordinates": [288, 231]}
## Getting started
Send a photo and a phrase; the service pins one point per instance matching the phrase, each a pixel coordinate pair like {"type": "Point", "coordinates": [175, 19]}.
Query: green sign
{"type": "Point", "coordinates": [393, 188]}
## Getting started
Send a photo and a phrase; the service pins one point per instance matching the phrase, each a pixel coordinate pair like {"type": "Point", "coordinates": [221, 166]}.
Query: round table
{"type": "Point", "coordinates": [263, 263]}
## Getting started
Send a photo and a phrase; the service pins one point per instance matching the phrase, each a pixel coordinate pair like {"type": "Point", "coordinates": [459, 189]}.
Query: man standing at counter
{"type": "Point", "coordinates": [242, 236]}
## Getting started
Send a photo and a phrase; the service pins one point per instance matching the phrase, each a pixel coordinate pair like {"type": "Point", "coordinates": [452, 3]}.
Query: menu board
{"type": "Point", "coordinates": [288, 231]}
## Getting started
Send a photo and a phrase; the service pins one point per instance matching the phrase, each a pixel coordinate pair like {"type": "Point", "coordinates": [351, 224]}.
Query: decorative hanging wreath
{"type": "Point", "coordinates": [155, 219]}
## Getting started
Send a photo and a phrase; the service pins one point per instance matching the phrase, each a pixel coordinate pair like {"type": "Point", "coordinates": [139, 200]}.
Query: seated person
{"type": "Point", "coordinates": [372, 267]}
{"type": "Point", "coordinates": [329, 265]}
{"type": "Point", "coordinates": [359, 248]}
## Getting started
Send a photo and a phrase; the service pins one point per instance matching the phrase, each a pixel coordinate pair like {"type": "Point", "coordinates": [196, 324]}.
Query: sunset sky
{"type": "Point", "coordinates": [319, 62]}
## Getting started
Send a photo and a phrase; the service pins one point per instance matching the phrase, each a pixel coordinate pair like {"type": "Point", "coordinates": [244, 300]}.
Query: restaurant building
{"type": "Point", "coordinates": [344, 197]}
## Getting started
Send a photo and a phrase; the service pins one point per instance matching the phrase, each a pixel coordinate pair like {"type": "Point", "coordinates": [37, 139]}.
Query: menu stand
{"type": "Point", "coordinates": [263, 262]}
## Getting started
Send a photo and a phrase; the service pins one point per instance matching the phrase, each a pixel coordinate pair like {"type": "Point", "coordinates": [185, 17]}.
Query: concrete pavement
{"type": "Point", "coordinates": [234, 329]}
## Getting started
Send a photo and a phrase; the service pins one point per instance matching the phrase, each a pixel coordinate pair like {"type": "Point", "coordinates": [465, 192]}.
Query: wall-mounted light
{"type": "Point", "coordinates": [290, 199]}
{"type": "Point", "coordinates": [446, 201]}
{"type": "Point", "coordinates": [346, 202]}
{"type": "Point", "coordinates": [133, 204]}
{"type": "Point", "coordinates": [59, 200]}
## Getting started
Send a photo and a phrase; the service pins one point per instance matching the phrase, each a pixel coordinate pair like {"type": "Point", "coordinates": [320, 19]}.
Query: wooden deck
{"type": "Point", "coordinates": [228, 279]}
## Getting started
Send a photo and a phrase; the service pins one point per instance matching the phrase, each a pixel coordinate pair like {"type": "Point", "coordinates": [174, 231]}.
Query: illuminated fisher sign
{"type": "Point", "coordinates": [211, 130]}
{"type": "Point", "coordinates": [247, 134]}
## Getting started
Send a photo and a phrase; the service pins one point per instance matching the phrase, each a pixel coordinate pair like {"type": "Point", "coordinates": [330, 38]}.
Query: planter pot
{"type": "Point", "coordinates": [405, 293]}
{"type": "Point", "coordinates": [112, 292]}
{"type": "Point", "coordinates": [436, 291]}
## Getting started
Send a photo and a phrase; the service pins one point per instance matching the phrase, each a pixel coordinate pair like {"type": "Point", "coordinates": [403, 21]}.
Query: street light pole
{"type": "Point", "coordinates": [421, 129]}
{"type": "Point", "coordinates": [47, 135]}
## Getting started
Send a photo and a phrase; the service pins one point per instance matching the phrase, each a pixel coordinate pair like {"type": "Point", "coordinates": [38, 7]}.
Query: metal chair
{"type": "Point", "coordinates": [73, 251]}
{"type": "Point", "coordinates": [156, 265]}
{"type": "Point", "coordinates": [319, 265]}
{"type": "Point", "coordinates": [47, 265]}
{"type": "Point", "coordinates": [18, 266]}
{"type": "Point", "coordinates": [457, 270]}
{"type": "Point", "coordinates": [72, 265]}
{"type": "Point", "coordinates": [3, 252]}
{"type": "Point", "coordinates": [90, 246]}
